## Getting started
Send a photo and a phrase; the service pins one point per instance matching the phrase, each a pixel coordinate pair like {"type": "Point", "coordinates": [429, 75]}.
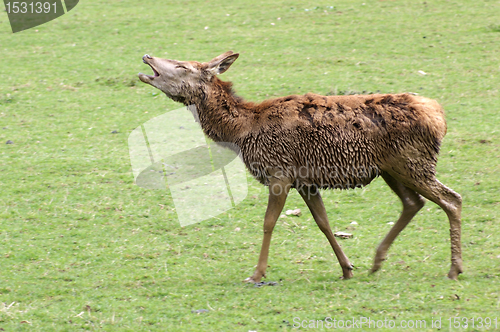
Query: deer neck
{"type": "Point", "coordinates": [219, 111]}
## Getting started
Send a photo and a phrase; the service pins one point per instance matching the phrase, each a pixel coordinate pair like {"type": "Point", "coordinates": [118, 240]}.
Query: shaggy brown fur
{"type": "Point", "coordinates": [312, 141]}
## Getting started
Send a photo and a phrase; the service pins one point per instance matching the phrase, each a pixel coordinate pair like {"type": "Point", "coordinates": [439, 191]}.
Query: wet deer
{"type": "Point", "coordinates": [311, 142]}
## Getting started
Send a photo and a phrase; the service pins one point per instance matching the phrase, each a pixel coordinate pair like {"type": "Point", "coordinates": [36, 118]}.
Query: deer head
{"type": "Point", "coordinates": [183, 81]}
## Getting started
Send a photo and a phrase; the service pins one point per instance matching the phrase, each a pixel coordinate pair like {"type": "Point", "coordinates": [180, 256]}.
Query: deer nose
{"type": "Point", "coordinates": [146, 56]}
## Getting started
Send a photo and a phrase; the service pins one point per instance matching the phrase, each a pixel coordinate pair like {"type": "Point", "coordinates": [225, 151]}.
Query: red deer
{"type": "Point", "coordinates": [311, 142]}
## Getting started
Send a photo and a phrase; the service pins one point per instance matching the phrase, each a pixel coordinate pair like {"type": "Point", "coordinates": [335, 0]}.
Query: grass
{"type": "Point", "coordinates": [83, 248]}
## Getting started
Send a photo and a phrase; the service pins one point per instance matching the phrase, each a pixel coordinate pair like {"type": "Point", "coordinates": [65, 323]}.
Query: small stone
{"type": "Point", "coordinates": [354, 223]}
{"type": "Point", "coordinates": [237, 229]}
{"type": "Point", "coordinates": [9, 142]}
{"type": "Point", "coordinates": [114, 132]}
{"type": "Point", "coordinates": [343, 235]}
{"type": "Point", "coordinates": [295, 212]}
{"type": "Point", "coordinates": [390, 223]}
{"type": "Point", "coordinates": [199, 311]}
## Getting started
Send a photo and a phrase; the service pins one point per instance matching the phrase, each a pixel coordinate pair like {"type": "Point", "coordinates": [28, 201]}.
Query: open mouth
{"type": "Point", "coordinates": [146, 58]}
{"type": "Point", "coordinates": [156, 74]}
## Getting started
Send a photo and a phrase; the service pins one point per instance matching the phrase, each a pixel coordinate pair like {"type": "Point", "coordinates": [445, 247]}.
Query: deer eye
{"type": "Point", "coordinates": [180, 66]}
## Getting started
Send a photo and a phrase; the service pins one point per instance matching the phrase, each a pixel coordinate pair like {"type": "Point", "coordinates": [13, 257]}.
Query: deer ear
{"type": "Point", "coordinates": [222, 63]}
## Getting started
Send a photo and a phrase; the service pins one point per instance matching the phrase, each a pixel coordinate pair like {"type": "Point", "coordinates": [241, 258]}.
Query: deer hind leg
{"type": "Point", "coordinates": [278, 191]}
{"type": "Point", "coordinates": [412, 203]}
{"type": "Point", "coordinates": [313, 200]}
{"type": "Point", "coordinates": [451, 203]}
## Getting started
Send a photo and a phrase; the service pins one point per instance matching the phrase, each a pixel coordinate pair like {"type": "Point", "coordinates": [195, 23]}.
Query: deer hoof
{"type": "Point", "coordinates": [251, 280]}
{"type": "Point", "coordinates": [455, 270]}
{"type": "Point", "coordinates": [376, 266]}
{"type": "Point", "coordinates": [347, 274]}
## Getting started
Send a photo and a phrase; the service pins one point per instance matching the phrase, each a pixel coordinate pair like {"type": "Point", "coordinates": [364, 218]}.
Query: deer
{"type": "Point", "coordinates": [313, 142]}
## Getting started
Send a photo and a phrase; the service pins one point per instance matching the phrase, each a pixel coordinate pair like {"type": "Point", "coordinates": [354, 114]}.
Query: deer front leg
{"type": "Point", "coordinates": [314, 201]}
{"type": "Point", "coordinates": [278, 191]}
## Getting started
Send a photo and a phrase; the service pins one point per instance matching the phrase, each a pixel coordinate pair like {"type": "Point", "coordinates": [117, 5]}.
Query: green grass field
{"type": "Point", "coordinates": [83, 248]}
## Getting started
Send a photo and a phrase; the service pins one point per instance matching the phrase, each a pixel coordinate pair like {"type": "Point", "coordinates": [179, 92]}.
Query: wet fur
{"type": "Point", "coordinates": [338, 142]}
